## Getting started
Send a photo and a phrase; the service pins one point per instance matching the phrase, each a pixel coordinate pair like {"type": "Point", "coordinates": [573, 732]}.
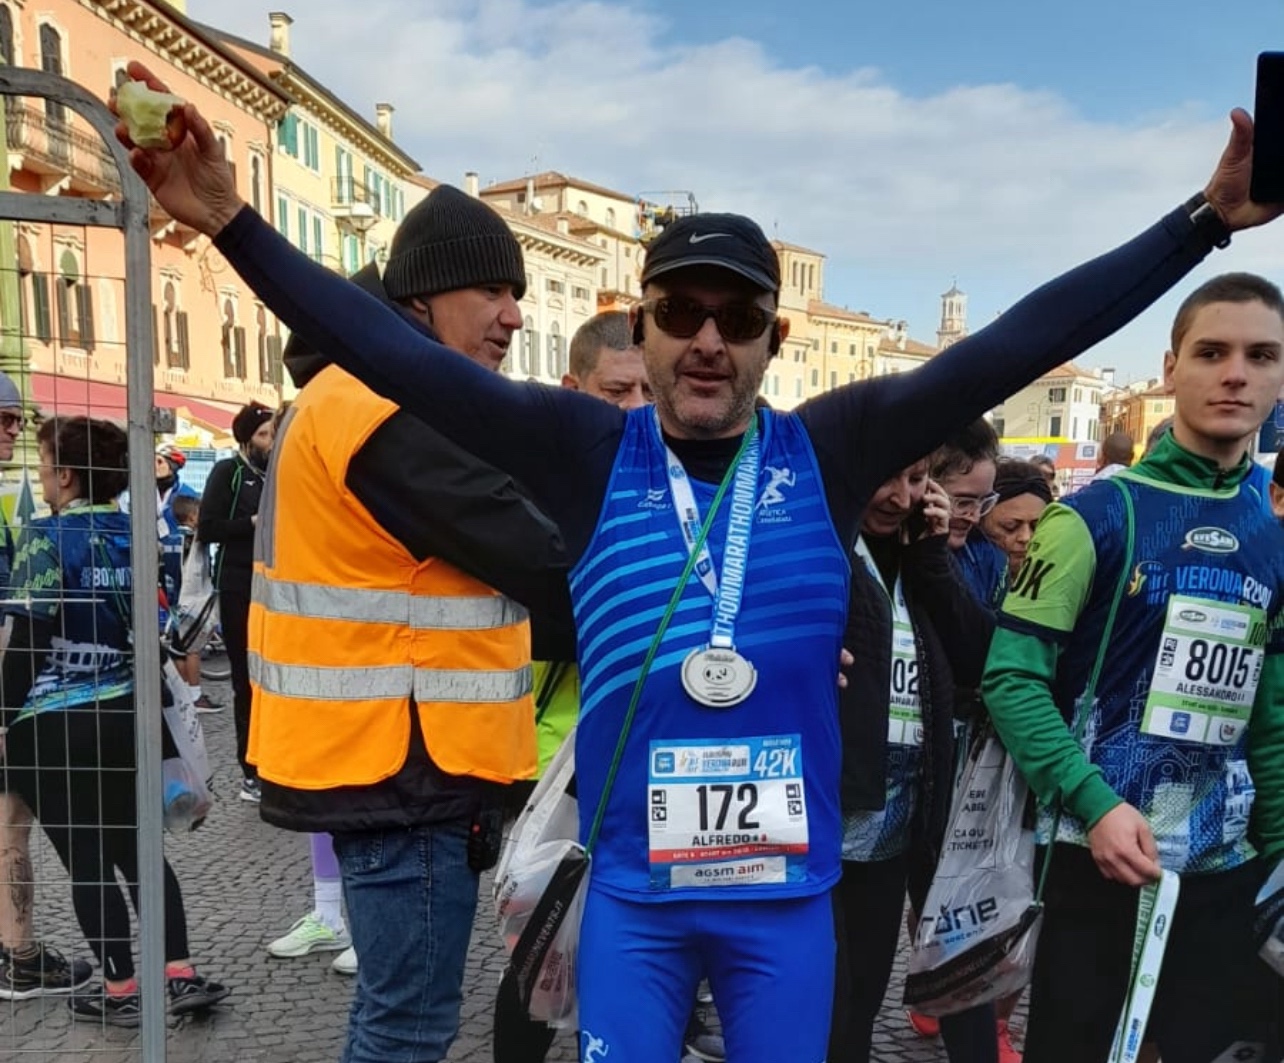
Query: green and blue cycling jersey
{"type": "Point", "coordinates": [1187, 724]}
{"type": "Point", "coordinates": [73, 571]}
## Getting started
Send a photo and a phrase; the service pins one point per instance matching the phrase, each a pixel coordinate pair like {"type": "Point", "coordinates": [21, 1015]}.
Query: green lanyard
{"type": "Point", "coordinates": [676, 597]}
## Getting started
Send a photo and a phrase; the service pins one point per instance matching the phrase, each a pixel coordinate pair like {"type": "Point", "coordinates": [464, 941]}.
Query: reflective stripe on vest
{"type": "Point", "coordinates": [388, 682]}
{"type": "Point", "coordinates": [386, 607]}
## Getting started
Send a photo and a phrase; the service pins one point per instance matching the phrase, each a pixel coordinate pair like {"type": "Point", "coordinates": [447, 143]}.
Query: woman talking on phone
{"type": "Point", "coordinates": [917, 634]}
{"type": "Point", "coordinates": [67, 699]}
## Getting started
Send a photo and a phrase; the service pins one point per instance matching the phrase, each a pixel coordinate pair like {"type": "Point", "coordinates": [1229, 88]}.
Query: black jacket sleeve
{"type": "Point", "coordinates": [437, 500]}
{"type": "Point", "coordinates": [963, 624]}
{"type": "Point", "coordinates": [24, 657]}
{"type": "Point", "coordinates": [215, 524]}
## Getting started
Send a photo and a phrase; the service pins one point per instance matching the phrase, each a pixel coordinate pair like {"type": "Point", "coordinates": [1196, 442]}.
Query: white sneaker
{"type": "Point", "coordinates": [345, 962]}
{"type": "Point", "coordinates": [309, 934]}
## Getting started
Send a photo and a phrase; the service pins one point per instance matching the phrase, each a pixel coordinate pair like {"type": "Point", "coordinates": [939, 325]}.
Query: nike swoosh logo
{"type": "Point", "coordinates": [698, 239]}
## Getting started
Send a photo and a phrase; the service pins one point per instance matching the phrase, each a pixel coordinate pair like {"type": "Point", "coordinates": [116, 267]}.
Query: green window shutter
{"type": "Point", "coordinates": [288, 133]}
{"type": "Point", "coordinates": [64, 311]}
{"type": "Point", "coordinates": [184, 344]}
{"type": "Point", "coordinates": [303, 230]}
{"type": "Point", "coordinates": [156, 330]}
{"type": "Point", "coordinates": [85, 301]}
{"type": "Point", "coordinates": [40, 296]}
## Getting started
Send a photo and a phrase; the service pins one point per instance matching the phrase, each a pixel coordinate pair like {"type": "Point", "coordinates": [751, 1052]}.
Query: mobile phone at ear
{"type": "Point", "coordinates": [1267, 183]}
{"type": "Point", "coordinates": [916, 522]}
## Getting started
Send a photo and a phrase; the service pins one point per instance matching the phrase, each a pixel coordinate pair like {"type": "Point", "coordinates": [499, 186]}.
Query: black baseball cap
{"type": "Point", "coordinates": [729, 241]}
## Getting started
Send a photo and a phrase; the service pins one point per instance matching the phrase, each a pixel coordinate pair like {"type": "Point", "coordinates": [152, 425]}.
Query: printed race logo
{"type": "Point", "coordinates": [593, 1048]}
{"type": "Point", "coordinates": [656, 499]}
{"type": "Point", "coordinates": [1179, 724]}
{"type": "Point", "coordinates": [1211, 541]}
{"type": "Point", "coordinates": [772, 500]}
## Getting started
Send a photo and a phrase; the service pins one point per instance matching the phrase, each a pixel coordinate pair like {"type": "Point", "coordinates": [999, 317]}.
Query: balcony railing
{"type": "Point", "coordinates": [350, 192]}
{"type": "Point", "coordinates": [47, 139]}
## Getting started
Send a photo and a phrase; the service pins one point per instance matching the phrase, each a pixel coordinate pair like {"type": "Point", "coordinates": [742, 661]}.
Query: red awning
{"type": "Point", "coordinates": [75, 396]}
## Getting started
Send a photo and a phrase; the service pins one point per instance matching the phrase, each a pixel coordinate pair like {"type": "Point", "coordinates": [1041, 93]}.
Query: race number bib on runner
{"type": "Point", "coordinates": [1206, 672]}
{"type": "Point", "coordinates": [727, 813]}
{"type": "Point", "coordinates": [905, 718]}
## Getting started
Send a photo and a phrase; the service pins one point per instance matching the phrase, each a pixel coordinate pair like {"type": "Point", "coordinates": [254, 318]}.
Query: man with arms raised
{"type": "Point", "coordinates": [721, 831]}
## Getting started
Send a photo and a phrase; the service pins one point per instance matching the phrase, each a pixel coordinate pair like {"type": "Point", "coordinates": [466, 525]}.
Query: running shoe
{"type": "Point", "coordinates": [250, 791]}
{"type": "Point", "coordinates": [94, 1004]}
{"type": "Point", "coordinates": [1007, 1053]}
{"type": "Point", "coordinates": [345, 962]}
{"type": "Point", "coordinates": [46, 973]}
{"type": "Point", "coordinates": [924, 1025]}
{"type": "Point", "coordinates": [193, 994]}
{"type": "Point", "coordinates": [310, 934]}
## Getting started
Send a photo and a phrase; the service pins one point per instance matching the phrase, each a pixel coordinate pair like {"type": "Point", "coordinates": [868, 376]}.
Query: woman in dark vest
{"type": "Point", "coordinates": [920, 641]}
{"type": "Point", "coordinates": [67, 700]}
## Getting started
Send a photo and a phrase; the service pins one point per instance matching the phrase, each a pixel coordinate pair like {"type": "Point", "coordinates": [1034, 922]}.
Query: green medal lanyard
{"type": "Point", "coordinates": [674, 599]}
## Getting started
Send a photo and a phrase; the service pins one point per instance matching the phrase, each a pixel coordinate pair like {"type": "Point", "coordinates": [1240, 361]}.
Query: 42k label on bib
{"type": "Point", "coordinates": [727, 813]}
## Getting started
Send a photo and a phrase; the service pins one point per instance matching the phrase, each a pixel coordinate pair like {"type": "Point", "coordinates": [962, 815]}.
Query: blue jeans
{"type": "Point", "coordinates": [411, 899]}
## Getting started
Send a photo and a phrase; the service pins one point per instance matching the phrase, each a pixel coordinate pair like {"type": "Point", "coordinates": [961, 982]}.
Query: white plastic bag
{"type": "Point", "coordinates": [186, 777]}
{"type": "Point", "coordinates": [976, 938]}
{"type": "Point", "coordinates": [196, 614]}
{"type": "Point", "coordinates": [540, 885]}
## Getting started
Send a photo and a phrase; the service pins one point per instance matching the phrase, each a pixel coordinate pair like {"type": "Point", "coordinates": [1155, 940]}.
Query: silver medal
{"type": "Point", "coordinates": [718, 678]}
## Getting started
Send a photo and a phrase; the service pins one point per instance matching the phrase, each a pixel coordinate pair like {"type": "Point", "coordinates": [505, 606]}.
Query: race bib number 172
{"type": "Point", "coordinates": [727, 813]}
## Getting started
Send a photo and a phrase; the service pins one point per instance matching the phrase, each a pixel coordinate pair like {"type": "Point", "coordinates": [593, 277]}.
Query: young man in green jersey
{"type": "Point", "coordinates": [1176, 761]}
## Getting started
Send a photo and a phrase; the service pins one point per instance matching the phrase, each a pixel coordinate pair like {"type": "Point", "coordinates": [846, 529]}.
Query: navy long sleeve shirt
{"type": "Point", "coordinates": [560, 444]}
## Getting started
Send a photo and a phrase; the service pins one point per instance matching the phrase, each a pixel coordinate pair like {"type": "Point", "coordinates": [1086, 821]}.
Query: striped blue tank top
{"type": "Point", "coordinates": [718, 803]}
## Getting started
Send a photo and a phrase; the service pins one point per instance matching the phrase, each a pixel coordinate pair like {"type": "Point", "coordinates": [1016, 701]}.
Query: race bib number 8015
{"type": "Point", "coordinates": [727, 813]}
{"type": "Point", "coordinates": [1206, 672]}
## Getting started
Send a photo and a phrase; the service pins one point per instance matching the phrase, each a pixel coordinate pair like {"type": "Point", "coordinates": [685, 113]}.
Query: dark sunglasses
{"type": "Point", "coordinates": [10, 421]}
{"type": "Point", "coordinates": [683, 318]}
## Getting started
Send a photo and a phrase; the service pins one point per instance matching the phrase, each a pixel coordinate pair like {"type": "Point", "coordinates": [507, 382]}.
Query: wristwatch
{"type": "Point", "coordinates": [1206, 220]}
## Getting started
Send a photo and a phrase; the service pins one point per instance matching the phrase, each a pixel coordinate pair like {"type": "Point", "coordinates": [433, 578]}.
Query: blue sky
{"type": "Point", "coordinates": [913, 142]}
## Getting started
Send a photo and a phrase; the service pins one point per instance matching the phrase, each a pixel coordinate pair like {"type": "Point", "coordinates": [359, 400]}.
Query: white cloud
{"type": "Point", "coordinates": [996, 184]}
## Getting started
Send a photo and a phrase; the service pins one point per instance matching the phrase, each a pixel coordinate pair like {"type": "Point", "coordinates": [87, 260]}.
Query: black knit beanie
{"type": "Point", "coordinates": [248, 420]}
{"type": "Point", "coordinates": [449, 241]}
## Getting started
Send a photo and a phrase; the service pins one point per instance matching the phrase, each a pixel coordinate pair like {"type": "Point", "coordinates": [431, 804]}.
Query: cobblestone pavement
{"type": "Point", "coordinates": [244, 883]}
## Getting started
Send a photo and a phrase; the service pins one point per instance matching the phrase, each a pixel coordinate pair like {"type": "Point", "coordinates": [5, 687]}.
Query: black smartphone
{"type": "Point", "coordinates": [1268, 130]}
{"type": "Point", "coordinates": [916, 522]}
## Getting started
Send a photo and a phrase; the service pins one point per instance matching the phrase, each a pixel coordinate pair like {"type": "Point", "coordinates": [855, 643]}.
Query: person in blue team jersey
{"type": "Point", "coordinates": [67, 701]}
{"type": "Point", "coordinates": [1177, 761]}
{"type": "Point", "coordinates": [721, 832]}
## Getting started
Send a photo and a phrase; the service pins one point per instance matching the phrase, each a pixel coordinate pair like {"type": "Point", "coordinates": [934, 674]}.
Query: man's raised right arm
{"type": "Point", "coordinates": [531, 432]}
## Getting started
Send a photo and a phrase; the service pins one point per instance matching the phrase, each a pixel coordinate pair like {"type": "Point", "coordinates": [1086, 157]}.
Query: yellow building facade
{"type": "Point", "coordinates": [338, 185]}
{"type": "Point", "coordinates": [209, 329]}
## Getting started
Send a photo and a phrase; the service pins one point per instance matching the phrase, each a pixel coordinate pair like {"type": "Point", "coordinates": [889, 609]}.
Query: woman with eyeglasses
{"type": "Point", "coordinates": [67, 699]}
{"type": "Point", "coordinates": [1023, 494]}
{"type": "Point", "coordinates": [916, 633]}
{"type": "Point", "coordinates": [964, 465]}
